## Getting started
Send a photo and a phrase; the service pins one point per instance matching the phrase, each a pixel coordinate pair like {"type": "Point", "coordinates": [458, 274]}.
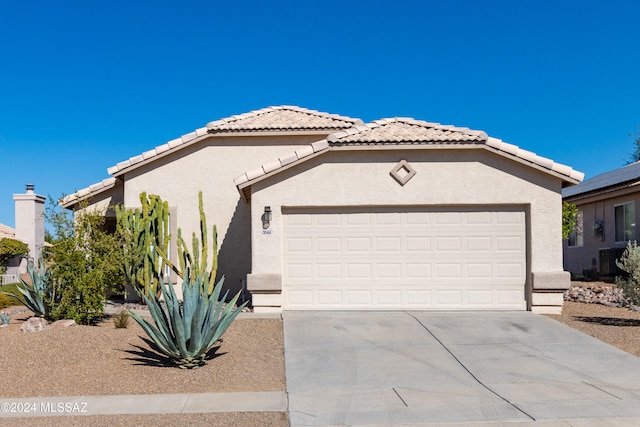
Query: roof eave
{"type": "Point", "coordinates": [68, 202]}
{"type": "Point", "coordinates": [283, 132]}
{"type": "Point", "coordinates": [573, 178]}
{"type": "Point", "coordinates": [159, 153]}
{"type": "Point", "coordinates": [567, 179]}
{"type": "Point", "coordinates": [605, 192]}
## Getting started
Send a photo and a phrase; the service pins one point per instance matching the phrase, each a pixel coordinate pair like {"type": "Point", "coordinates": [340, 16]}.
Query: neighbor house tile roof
{"type": "Point", "coordinates": [404, 131]}
{"type": "Point", "coordinates": [284, 118]}
{"type": "Point", "coordinates": [6, 231]}
{"type": "Point", "coordinates": [626, 176]}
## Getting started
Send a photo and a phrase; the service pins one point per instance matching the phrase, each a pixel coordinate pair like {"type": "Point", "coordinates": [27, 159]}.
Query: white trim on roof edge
{"type": "Point", "coordinates": [202, 133]}
{"type": "Point", "coordinates": [472, 137]}
{"type": "Point", "coordinates": [332, 142]}
{"type": "Point", "coordinates": [87, 192]}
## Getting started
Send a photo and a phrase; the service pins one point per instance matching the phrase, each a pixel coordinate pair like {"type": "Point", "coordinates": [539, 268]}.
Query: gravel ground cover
{"type": "Point", "coordinates": [617, 326]}
{"type": "Point", "coordinates": [103, 360]}
{"type": "Point", "coordinates": [252, 419]}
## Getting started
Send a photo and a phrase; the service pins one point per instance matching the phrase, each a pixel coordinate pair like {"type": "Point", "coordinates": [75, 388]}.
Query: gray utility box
{"type": "Point", "coordinates": [608, 257]}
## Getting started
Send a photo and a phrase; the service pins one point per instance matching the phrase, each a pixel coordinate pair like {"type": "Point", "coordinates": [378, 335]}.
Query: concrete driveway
{"type": "Point", "coordinates": [453, 368]}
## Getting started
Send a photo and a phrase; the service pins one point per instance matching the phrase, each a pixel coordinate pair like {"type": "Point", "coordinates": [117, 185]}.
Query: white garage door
{"type": "Point", "coordinates": [386, 259]}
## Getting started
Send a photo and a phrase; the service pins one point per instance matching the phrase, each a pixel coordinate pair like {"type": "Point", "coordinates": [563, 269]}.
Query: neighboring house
{"type": "Point", "coordinates": [319, 211]}
{"type": "Point", "coordinates": [13, 265]}
{"type": "Point", "coordinates": [29, 220]}
{"type": "Point", "coordinates": [607, 216]}
{"type": "Point", "coordinates": [6, 231]}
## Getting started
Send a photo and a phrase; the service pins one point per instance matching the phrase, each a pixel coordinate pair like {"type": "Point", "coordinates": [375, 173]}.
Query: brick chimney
{"type": "Point", "coordinates": [30, 223]}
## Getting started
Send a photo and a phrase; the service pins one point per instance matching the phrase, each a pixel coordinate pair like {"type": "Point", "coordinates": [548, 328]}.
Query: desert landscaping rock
{"type": "Point", "coordinates": [598, 293]}
{"type": "Point", "coordinates": [34, 324]}
{"type": "Point", "coordinates": [38, 324]}
{"type": "Point", "coordinates": [64, 323]}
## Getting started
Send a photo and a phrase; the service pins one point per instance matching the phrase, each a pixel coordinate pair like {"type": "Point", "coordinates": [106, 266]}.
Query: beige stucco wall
{"type": "Point", "coordinates": [29, 220]}
{"type": "Point", "coordinates": [104, 201]}
{"type": "Point", "coordinates": [210, 166]}
{"type": "Point", "coordinates": [579, 258]}
{"type": "Point", "coordinates": [444, 177]}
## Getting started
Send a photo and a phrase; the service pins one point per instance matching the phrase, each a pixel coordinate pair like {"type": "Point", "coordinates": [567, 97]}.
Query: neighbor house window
{"type": "Point", "coordinates": [576, 238]}
{"type": "Point", "coordinates": [625, 217]}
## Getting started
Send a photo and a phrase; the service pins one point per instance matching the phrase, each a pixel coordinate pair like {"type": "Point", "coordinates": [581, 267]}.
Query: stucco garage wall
{"type": "Point", "coordinates": [210, 166]}
{"type": "Point", "coordinates": [444, 177]}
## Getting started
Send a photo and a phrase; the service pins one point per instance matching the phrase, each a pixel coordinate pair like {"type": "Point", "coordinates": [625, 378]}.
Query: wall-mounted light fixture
{"type": "Point", "coordinates": [266, 218]}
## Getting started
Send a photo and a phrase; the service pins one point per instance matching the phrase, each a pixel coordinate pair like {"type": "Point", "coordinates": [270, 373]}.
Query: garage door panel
{"type": "Point", "coordinates": [388, 244]}
{"type": "Point", "coordinates": [329, 244]}
{"type": "Point", "coordinates": [472, 258]}
{"type": "Point", "coordinates": [480, 243]}
{"type": "Point", "coordinates": [448, 218]}
{"type": "Point", "coordinates": [480, 298]}
{"type": "Point", "coordinates": [418, 218]}
{"type": "Point", "coordinates": [480, 271]}
{"type": "Point", "coordinates": [510, 244]}
{"type": "Point", "coordinates": [478, 218]}
{"type": "Point", "coordinates": [388, 218]}
{"type": "Point", "coordinates": [358, 244]}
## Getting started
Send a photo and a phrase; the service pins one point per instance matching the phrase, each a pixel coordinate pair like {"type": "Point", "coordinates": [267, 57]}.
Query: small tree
{"type": "Point", "coordinates": [10, 248]}
{"type": "Point", "coordinates": [569, 219]}
{"type": "Point", "coordinates": [86, 263]}
{"type": "Point", "coordinates": [630, 263]}
{"type": "Point", "coordinates": [635, 156]}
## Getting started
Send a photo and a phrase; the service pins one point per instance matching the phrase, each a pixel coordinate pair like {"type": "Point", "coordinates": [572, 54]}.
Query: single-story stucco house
{"type": "Point", "coordinates": [607, 219]}
{"type": "Point", "coordinates": [318, 211]}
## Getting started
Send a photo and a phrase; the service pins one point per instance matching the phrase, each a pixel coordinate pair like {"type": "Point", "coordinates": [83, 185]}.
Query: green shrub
{"type": "Point", "coordinates": [86, 264]}
{"type": "Point", "coordinates": [6, 301]}
{"type": "Point", "coordinates": [121, 320]}
{"type": "Point", "coordinates": [39, 297]}
{"type": "Point", "coordinates": [10, 248]}
{"type": "Point", "coordinates": [630, 263]}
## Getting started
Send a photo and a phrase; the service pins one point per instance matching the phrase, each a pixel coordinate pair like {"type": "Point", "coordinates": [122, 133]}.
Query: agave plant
{"type": "Point", "coordinates": [186, 332]}
{"type": "Point", "coordinates": [38, 297]}
{"type": "Point", "coordinates": [4, 319]}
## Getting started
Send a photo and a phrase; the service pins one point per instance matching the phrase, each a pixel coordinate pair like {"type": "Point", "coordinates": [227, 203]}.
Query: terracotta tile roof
{"type": "Point", "coordinates": [271, 119]}
{"type": "Point", "coordinates": [92, 190]}
{"type": "Point", "coordinates": [282, 118]}
{"type": "Point", "coordinates": [405, 130]}
{"type": "Point", "coordinates": [397, 131]}
{"type": "Point", "coordinates": [6, 231]}
{"type": "Point", "coordinates": [302, 153]}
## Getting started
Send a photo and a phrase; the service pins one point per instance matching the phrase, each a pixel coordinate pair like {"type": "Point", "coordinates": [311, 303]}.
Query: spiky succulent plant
{"type": "Point", "coordinates": [39, 296]}
{"type": "Point", "coordinates": [4, 319]}
{"type": "Point", "coordinates": [186, 332]}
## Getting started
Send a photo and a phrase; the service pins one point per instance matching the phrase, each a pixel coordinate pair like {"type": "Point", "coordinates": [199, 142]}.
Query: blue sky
{"type": "Point", "coordinates": [85, 85]}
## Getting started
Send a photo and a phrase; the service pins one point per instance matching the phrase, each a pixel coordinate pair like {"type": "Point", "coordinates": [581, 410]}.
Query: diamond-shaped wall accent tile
{"type": "Point", "coordinates": [402, 172]}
